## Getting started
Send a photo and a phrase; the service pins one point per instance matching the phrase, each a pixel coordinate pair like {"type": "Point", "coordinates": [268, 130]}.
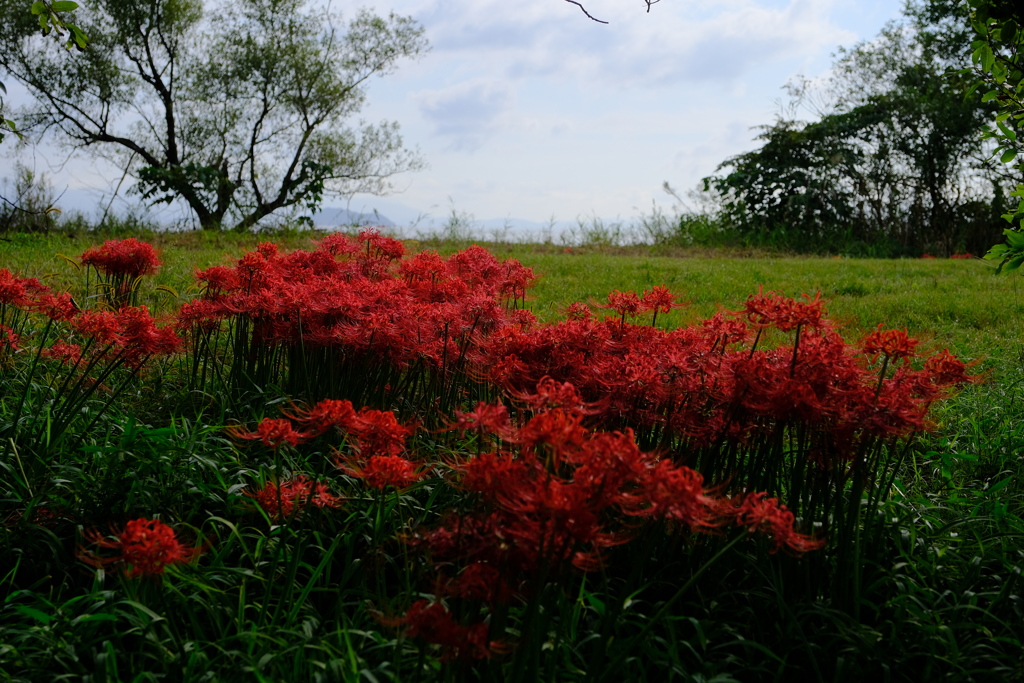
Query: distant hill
{"type": "Point", "coordinates": [333, 217]}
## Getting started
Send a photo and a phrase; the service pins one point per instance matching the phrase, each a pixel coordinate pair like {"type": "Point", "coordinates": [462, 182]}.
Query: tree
{"type": "Point", "coordinates": [50, 19]}
{"type": "Point", "coordinates": [893, 160]}
{"type": "Point", "coordinates": [997, 67]}
{"type": "Point", "coordinates": [238, 112]}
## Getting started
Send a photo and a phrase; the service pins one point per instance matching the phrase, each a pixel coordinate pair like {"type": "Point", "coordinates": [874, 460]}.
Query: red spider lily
{"type": "Point", "coordinates": [624, 303]}
{"type": "Point", "coordinates": [783, 313]}
{"type": "Point", "coordinates": [433, 623]}
{"type": "Point", "coordinates": [273, 433]}
{"type": "Point", "coordinates": [659, 300]}
{"type": "Point", "coordinates": [8, 339]}
{"type": "Point", "coordinates": [968, 255]}
{"type": "Point", "coordinates": [69, 354]}
{"type": "Point", "coordinates": [946, 370]}
{"type": "Point", "coordinates": [56, 306]}
{"type": "Point", "coordinates": [486, 418]}
{"type": "Point", "coordinates": [288, 499]}
{"type": "Point", "coordinates": [382, 471]}
{"type": "Point", "coordinates": [19, 291]}
{"type": "Point", "coordinates": [893, 344]}
{"type": "Point", "coordinates": [756, 512]}
{"type": "Point", "coordinates": [147, 546]}
{"type": "Point", "coordinates": [325, 415]}
{"type": "Point", "coordinates": [578, 311]}
{"type": "Point", "coordinates": [481, 581]}
{"type": "Point", "coordinates": [218, 279]}
{"type": "Point", "coordinates": [378, 432]}
{"type": "Point", "coordinates": [351, 307]}
{"type": "Point", "coordinates": [676, 493]}
{"type": "Point", "coordinates": [127, 258]}
{"type": "Point", "coordinates": [563, 497]}
{"type": "Point", "coordinates": [102, 326]}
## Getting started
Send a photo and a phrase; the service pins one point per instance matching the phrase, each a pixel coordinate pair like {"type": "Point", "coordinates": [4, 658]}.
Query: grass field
{"type": "Point", "coordinates": [959, 304]}
{"type": "Point", "coordinates": [190, 510]}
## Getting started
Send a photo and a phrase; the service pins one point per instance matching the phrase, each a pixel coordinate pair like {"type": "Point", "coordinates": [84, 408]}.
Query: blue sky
{"type": "Point", "coordinates": [532, 111]}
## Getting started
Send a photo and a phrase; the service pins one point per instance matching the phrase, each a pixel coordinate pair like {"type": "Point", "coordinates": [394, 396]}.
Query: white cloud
{"type": "Point", "coordinates": [466, 113]}
{"type": "Point", "coordinates": [677, 42]}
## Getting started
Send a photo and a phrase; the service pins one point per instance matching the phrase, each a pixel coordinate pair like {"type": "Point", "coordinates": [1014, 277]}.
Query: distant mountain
{"type": "Point", "coordinates": [334, 217]}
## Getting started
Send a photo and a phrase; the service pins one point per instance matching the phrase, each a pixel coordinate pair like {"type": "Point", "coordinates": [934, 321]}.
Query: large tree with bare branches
{"type": "Point", "coordinates": [239, 112]}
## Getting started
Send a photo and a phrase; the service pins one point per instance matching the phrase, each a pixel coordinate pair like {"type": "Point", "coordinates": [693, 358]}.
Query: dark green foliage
{"type": "Point", "coordinates": [892, 166]}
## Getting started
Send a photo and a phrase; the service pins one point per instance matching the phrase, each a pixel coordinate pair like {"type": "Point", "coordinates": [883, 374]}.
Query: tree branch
{"type": "Point", "coordinates": [584, 9]}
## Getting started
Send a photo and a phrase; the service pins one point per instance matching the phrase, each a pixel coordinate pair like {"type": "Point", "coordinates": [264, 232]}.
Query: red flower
{"type": "Point", "coordinates": [486, 418]}
{"type": "Point", "coordinates": [57, 306]}
{"type": "Point", "coordinates": [382, 471]}
{"type": "Point", "coordinates": [894, 344]}
{"type": "Point", "coordinates": [273, 433]}
{"type": "Point", "coordinates": [946, 370]}
{"type": "Point", "coordinates": [578, 311]}
{"type": "Point", "coordinates": [148, 546]}
{"type": "Point", "coordinates": [766, 515]}
{"type": "Point", "coordinates": [292, 496]}
{"type": "Point", "coordinates": [15, 290]}
{"type": "Point", "coordinates": [624, 303]}
{"type": "Point", "coordinates": [324, 415]}
{"type": "Point", "coordinates": [69, 354]}
{"type": "Point", "coordinates": [128, 258]}
{"type": "Point", "coordinates": [784, 313]}
{"type": "Point", "coordinates": [379, 433]}
{"type": "Point", "coordinates": [103, 326]}
{"type": "Point", "coordinates": [432, 622]}
{"type": "Point", "coordinates": [8, 339]}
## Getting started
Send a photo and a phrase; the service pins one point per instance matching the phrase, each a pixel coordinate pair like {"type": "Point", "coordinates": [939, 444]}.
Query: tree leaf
{"type": "Point", "coordinates": [64, 6]}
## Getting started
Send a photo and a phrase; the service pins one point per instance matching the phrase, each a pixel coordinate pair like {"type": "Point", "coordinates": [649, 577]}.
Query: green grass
{"type": "Point", "coordinates": [957, 304]}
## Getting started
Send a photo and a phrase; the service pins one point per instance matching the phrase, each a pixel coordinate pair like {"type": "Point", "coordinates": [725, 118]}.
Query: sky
{"type": "Point", "coordinates": [532, 111]}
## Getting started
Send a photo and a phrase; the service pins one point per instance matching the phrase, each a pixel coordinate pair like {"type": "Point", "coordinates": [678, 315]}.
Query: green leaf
{"type": "Point", "coordinates": [34, 613]}
{"type": "Point", "coordinates": [1013, 264]}
{"type": "Point", "coordinates": [81, 39]}
{"type": "Point", "coordinates": [38, 8]}
{"type": "Point", "coordinates": [989, 96]}
{"type": "Point", "coordinates": [1014, 238]}
{"type": "Point", "coordinates": [987, 57]}
{"type": "Point", "coordinates": [1008, 156]}
{"type": "Point", "coordinates": [64, 6]}
{"type": "Point", "coordinates": [996, 252]}
{"type": "Point", "coordinates": [1007, 131]}
{"type": "Point", "coordinates": [999, 72]}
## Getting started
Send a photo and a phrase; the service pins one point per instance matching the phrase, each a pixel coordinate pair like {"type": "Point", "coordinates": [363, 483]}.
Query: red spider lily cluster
{"type": "Point", "coordinates": [434, 624]}
{"type": "Point", "coordinates": [123, 263]}
{"type": "Point", "coordinates": [127, 258]}
{"type": "Point", "coordinates": [553, 495]}
{"type": "Point", "coordinates": [147, 546]}
{"type": "Point", "coordinates": [700, 384]}
{"type": "Point", "coordinates": [375, 438]}
{"type": "Point", "coordinates": [657, 300]}
{"type": "Point", "coordinates": [292, 496]}
{"type": "Point", "coordinates": [19, 292]}
{"type": "Point", "coordinates": [353, 311]}
{"type": "Point", "coordinates": [128, 335]}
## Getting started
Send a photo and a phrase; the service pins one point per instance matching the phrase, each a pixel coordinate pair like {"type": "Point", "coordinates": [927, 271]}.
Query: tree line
{"type": "Point", "coordinates": [897, 158]}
